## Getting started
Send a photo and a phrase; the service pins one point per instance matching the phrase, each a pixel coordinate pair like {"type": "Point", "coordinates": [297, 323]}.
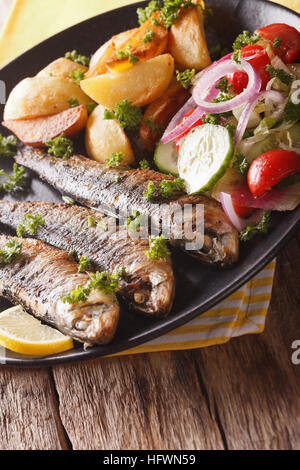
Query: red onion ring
{"type": "Point", "coordinates": [190, 104]}
{"type": "Point", "coordinates": [244, 119]}
{"type": "Point", "coordinates": [211, 75]}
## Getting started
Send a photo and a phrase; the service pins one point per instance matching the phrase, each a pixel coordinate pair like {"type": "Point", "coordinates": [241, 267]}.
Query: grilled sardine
{"type": "Point", "coordinates": [94, 185]}
{"type": "Point", "coordinates": [40, 275]}
{"type": "Point", "coordinates": [148, 285]}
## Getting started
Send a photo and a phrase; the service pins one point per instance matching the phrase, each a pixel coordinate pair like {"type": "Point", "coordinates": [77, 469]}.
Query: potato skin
{"type": "Point", "coordinates": [161, 111]}
{"type": "Point", "coordinates": [35, 132]}
{"type": "Point", "coordinates": [141, 84]}
{"type": "Point", "coordinates": [61, 68]}
{"type": "Point", "coordinates": [42, 96]}
{"type": "Point", "coordinates": [104, 137]}
{"type": "Point", "coordinates": [187, 42]}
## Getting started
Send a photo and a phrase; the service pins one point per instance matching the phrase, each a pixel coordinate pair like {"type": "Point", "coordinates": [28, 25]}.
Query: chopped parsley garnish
{"type": "Point", "coordinates": [84, 264]}
{"type": "Point", "coordinates": [30, 225]}
{"type": "Point", "coordinates": [14, 181]}
{"type": "Point", "coordinates": [73, 102]}
{"type": "Point", "coordinates": [222, 97]}
{"type": "Point", "coordinates": [236, 56]}
{"type": "Point", "coordinates": [153, 126]}
{"type": "Point", "coordinates": [68, 200]}
{"type": "Point", "coordinates": [217, 52]}
{"type": "Point", "coordinates": [261, 228]}
{"type": "Point", "coordinates": [126, 54]}
{"type": "Point", "coordinates": [170, 12]}
{"type": "Point", "coordinates": [145, 13]}
{"type": "Point", "coordinates": [90, 107]}
{"type": "Point", "coordinates": [72, 254]}
{"type": "Point", "coordinates": [291, 112]}
{"type": "Point", "coordinates": [158, 248]}
{"type": "Point", "coordinates": [107, 283]}
{"type": "Point", "coordinates": [77, 75]}
{"type": "Point", "coordinates": [244, 39]}
{"type": "Point", "coordinates": [8, 145]}
{"type": "Point", "coordinates": [283, 76]}
{"type": "Point", "coordinates": [60, 147]}
{"type": "Point", "coordinates": [277, 43]}
{"type": "Point", "coordinates": [144, 164]}
{"type": "Point", "coordinates": [92, 222]}
{"type": "Point", "coordinates": [185, 78]}
{"type": "Point", "coordinates": [10, 252]}
{"type": "Point", "coordinates": [241, 163]}
{"type": "Point", "coordinates": [149, 36]}
{"type": "Point", "coordinates": [155, 21]}
{"type": "Point", "coordinates": [169, 187]}
{"type": "Point", "coordinates": [129, 116]}
{"type": "Point", "coordinates": [134, 222]}
{"type": "Point", "coordinates": [224, 85]}
{"type": "Point", "coordinates": [151, 190]}
{"type": "Point", "coordinates": [114, 160]}
{"type": "Point", "coordinates": [79, 59]}
{"type": "Point", "coordinates": [214, 119]}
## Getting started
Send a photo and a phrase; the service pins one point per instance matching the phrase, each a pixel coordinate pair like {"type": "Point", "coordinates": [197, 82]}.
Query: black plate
{"type": "Point", "coordinates": [199, 288]}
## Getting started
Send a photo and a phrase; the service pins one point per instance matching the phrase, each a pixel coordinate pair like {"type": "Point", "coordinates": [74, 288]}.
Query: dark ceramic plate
{"type": "Point", "coordinates": [199, 288]}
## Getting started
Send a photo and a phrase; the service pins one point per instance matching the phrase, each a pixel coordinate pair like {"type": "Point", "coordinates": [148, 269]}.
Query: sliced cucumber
{"type": "Point", "coordinates": [204, 156]}
{"type": "Point", "coordinates": [166, 158]}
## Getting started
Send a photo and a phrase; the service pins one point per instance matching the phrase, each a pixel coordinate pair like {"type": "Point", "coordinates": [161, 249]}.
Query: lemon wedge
{"type": "Point", "coordinates": [24, 334]}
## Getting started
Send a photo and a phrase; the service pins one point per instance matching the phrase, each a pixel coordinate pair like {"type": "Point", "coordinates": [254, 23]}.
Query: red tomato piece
{"type": "Point", "coordinates": [242, 211]}
{"type": "Point", "coordinates": [270, 168]}
{"type": "Point", "coordinates": [259, 59]}
{"type": "Point", "coordinates": [238, 80]}
{"type": "Point", "coordinates": [290, 37]}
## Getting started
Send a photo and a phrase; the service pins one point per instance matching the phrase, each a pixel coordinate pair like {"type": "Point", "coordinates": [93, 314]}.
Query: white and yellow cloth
{"type": "Point", "coordinates": [245, 311]}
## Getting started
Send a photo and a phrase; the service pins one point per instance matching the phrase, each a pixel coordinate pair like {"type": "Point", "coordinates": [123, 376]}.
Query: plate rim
{"type": "Point", "coordinates": [181, 319]}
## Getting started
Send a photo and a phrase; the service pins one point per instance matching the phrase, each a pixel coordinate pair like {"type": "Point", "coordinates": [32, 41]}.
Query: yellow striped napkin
{"type": "Point", "coordinates": [244, 312]}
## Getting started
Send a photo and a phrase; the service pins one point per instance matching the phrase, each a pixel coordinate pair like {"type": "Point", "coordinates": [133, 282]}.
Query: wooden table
{"type": "Point", "coordinates": [242, 395]}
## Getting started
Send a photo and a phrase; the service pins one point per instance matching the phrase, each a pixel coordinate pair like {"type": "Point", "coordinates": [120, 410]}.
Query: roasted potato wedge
{"type": "Point", "coordinates": [104, 137]}
{"type": "Point", "coordinates": [159, 114]}
{"type": "Point", "coordinates": [187, 42]}
{"type": "Point", "coordinates": [42, 96]}
{"type": "Point", "coordinates": [99, 59]}
{"type": "Point", "coordinates": [35, 132]}
{"type": "Point", "coordinates": [141, 84]}
{"type": "Point", "coordinates": [61, 68]}
{"type": "Point", "coordinates": [155, 46]}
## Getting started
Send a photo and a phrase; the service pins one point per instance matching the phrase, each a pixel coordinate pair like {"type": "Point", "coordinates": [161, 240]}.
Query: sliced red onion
{"type": "Point", "coordinates": [190, 104]}
{"type": "Point", "coordinates": [242, 125]}
{"type": "Point", "coordinates": [216, 72]}
{"type": "Point", "coordinates": [285, 199]}
{"type": "Point", "coordinates": [238, 222]}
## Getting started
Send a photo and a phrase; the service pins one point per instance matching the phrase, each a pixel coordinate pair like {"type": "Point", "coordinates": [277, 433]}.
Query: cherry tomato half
{"type": "Point", "coordinates": [270, 168]}
{"type": "Point", "coordinates": [242, 211]}
{"type": "Point", "coordinates": [290, 40]}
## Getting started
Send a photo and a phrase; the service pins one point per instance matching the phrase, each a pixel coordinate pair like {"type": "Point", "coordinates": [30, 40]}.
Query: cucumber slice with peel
{"type": "Point", "coordinates": [204, 156]}
{"type": "Point", "coordinates": [166, 158]}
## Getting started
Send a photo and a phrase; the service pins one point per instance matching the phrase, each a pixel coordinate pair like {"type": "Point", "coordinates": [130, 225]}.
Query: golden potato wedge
{"type": "Point", "coordinates": [42, 96]}
{"type": "Point", "coordinates": [98, 60]}
{"type": "Point", "coordinates": [61, 68]}
{"type": "Point", "coordinates": [35, 132]}
{"type": "Point", "coordinates": [156, 46]}
{"type": "Point", "coordinates": [141, 84]}
{"type": "Point", "coordinates": [187, 42]}
{"type": "Point", "coordinates": [159, 114]}
{"type": "Point", "coordinates": [104, 137]}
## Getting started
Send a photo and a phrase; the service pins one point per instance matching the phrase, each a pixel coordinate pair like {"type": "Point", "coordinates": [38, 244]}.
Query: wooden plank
{"type": "Point", "coordinates": [251, 382]}
{"type": "Point", "coordinates": [139, 402]}
{"type": "Point", "coordinates": [29, 418]}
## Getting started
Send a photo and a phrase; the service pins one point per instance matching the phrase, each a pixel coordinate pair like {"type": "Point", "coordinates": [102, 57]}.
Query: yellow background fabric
{"type": "Point", "coordinates": [244, 312]}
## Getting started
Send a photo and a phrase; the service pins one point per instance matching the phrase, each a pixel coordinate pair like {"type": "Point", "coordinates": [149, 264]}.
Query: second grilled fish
{"type": "Point", "coordinates": [95, 185]}
{"type": "Point", "coordinates": [148, 286]}
{"type": "Point", "coordinates": [38, 277]}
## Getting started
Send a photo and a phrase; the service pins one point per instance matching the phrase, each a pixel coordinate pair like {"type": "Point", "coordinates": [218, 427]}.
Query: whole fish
{"type": "Point", "coordinates": [37, 279]}
{"type": "Point", "coordinates": [94, 185]}
{"type": "Point", "coordinates": [148, 285]}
